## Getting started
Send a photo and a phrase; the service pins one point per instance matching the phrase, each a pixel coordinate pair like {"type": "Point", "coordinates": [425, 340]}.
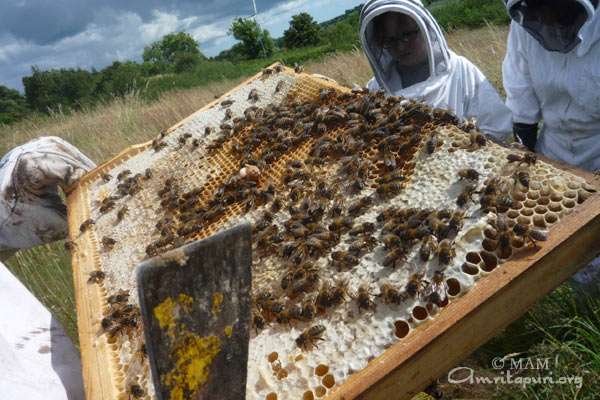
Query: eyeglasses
{"type": "Point", "coordinates": [390, 42]}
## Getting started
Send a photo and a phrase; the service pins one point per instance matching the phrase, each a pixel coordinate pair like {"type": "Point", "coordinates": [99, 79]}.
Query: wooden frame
{"type": "Point", "coordinates": [409, 366]}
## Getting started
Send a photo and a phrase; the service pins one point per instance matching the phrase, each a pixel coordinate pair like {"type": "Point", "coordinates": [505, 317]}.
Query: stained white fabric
{"type": "Point", "coordinates": [37, 358]}
{"type": "Point", "coordinates": [454, 82]}
{"type": "Point", "coordinates": [562, 89]}
{"type": "Point", "coordinates": [31, 210]}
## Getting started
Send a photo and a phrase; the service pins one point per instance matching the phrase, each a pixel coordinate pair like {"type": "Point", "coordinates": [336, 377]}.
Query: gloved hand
{"type": "Point", "coordinates": [526, 134]}
{"type": "Point", "coordinates": [31, 210]}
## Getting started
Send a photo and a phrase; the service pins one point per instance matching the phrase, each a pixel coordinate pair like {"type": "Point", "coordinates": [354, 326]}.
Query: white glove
{"type": "Point", "coordinates": [31, 210]}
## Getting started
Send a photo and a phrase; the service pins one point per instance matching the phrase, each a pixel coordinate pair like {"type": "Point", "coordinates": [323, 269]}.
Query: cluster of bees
{"type": "Point", "coordinates": [323, 164]}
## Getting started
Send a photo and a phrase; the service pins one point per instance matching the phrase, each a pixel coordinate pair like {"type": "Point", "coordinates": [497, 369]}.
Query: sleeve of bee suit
{"type": "Point", "coordinates": [37, 358]}
{"type": "Point", "coordinates": [516, 74]}
{"type": "Point", "coordinates": [31, 210]}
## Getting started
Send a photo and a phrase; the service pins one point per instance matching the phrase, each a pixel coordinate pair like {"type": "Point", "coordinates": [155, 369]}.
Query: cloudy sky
{"type": "Point", "coordinates": [56, 34]}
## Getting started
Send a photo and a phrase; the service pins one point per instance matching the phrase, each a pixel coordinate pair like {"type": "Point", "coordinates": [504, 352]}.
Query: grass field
{"type": "Point", "coordinates": [554, 328]}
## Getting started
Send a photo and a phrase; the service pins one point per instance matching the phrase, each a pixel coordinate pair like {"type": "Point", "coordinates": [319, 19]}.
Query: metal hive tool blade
{"type": "Point", "coordinates": [195, 303]}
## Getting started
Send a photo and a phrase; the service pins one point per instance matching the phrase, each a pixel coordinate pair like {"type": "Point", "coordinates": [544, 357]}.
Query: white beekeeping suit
{"type": "Point", "coordinates": [552, 73]}
{"type": "Point", "coordinates": [453, 81]}
{"type": "Point", "coordinates": [37, 358]}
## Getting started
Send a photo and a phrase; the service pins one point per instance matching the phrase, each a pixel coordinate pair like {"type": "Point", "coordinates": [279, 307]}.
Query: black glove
{"type": "Point", "coordinates": [526, 134]}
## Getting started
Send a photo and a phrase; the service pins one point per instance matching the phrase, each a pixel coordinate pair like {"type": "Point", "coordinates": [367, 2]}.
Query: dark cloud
{"type": "Point", "coordinates": [45, 22]}
{"type": "Point", "coordinates": [54, 34]}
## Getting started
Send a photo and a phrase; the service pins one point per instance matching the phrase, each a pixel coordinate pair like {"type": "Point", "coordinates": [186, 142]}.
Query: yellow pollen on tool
{"type": "Point", "coordinates": [187, 302]}
{"type": "Point", "coordinates": [217, 300]}
{"type": "Point", "coordinates": [228, 331]}
{"type": "Point", "coordinates": [194, 356]}
{"type": "Point", "coordinates": [164, 313]}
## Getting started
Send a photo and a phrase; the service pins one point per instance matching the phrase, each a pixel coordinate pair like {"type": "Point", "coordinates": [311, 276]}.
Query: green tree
{"type": "Point", "coordinates": [171, 47]}
{"type": "Point", "coordinates": [13, 106]}
{"type": "Point", "coordinates": [303, 31]}
{"type": "Point", "coordinates": [119, 78]}
{"type": "Point", "coordinates": [253, 39]}
{"type": "Point", "coordinates": [64, 88]}
{"type": "Point", "coordinates": [342, 32]}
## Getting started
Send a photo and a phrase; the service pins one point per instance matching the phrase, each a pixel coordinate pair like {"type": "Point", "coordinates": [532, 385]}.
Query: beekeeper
{"type": "Point", "coordinates": [37, 358]}
{"type": "Point", "coordinates": [410, 58]}
{"type": "Point", "coordinates": [552, 73]}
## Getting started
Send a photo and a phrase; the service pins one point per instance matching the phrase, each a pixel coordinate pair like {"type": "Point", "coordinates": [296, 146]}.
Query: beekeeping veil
{"type": "Point", "coordinates": [561, 36]}
{"type": "Point", "coordinates": [382, 63]}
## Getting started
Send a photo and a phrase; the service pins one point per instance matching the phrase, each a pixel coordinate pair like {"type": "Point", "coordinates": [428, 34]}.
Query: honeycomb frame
{"type": "Point", "coordinates": [414, 352]}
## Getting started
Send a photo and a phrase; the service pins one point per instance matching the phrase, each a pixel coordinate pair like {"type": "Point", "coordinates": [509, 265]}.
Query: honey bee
{"type": "Point", "coordinates": [298, 68]}
{"type": "Point", "coordinates": [456, 220]}
{"type": "Point", "coordinates": [96, 276]}
{"type": "Point", "coordinates": [415, 284]}
{"type": "Point", "coordinates": [363, 229]}
{"type": "Point", "coordinates": [469, 174]}
{"type": "Point", "coordinates": [257, 321]}
{"type": "Point", "coordinates": [438, 227]}
{"type": "Point", "coordinates": [324, 298]}
{"type": "Point", "coordinates": [359, 206]}
{"type": "Point", "coordinates": [86, 224]}
{"type": "Point", "coordinates": [526, 231]}
{"type": "Point", "coordinates": [525, 158]}
{"type": "Point", "coordinates": [286, 316]}
{"type": "Point", "coordinates": [465, 195]}
{"type": "Point", "coordinates": [272, 307]}
{"type": "Point", "coordinates": [477, 139]}
{"type": "Point", "coordinates": [445, 251]}
{"type": "Point", "coordinates": [151, 250]}
{"type": "Point", "coordinates": [107, 206]}
{"type": "Point", "coordinates": [432, 142]}
{"type": "Point", "coordinates": [437, 291]}
{"type": "Point", "coordinates": [342, 258]}
{"type": "Point", "coordinates": [135, 390]}
{"type": "Point", "coordinates": [123, 174]}
{"type": "Point", "coordinates": [226, 103]}
{"type": "Point", "coordinates": [341, 223]}
{"type": "Point", "coordinates": [389, 189]}
{"type": "Point", "coordinates": [253, 95]}
{"type": "Point", "coordinates": [266, 73]}
{"type": "Point", "coordinates": [310, 336]}
{"type": "Point", "coordinates": [390, 294]}
{"type": "Point", "coordinates": [366, 242]}
{"type": "Point", "coordinates": [304, 285]}
{"type": "Point", "coordinates": [122, 212]}
{"type": "Point", "coordinates": [228, 114]}
{"type": "Point", "coordinates": [363, 299]}
{"type": "Point", "coordinates": [208, 130]}
{"type": "Point", "coordinates": [428, 246]}
{"type": "Point", "coordinates": [121, 297]}
{"type": "Point", "coordinates": [108, 242]}
{"type": "Point", "coordinates": [338, 294]}
{"type": "Point", "coordinates": [70, 245]}
{"type": "Point", "coordinates": [393, 256]}
{"type": "Point", "coordinates": [387, 214]}
{"type": "Point", "coordinates": [503, 233]}
{"type": "Point", "coordinates": [391, 241]}
{"type": "Point", "coordinates": [106, 177]}
{"type": "Point", "coordinates": [521, 175]}
{"type": "Point", "coordinates": [159, 146]}
{"type": "Point", "coordinates": [308, 311]}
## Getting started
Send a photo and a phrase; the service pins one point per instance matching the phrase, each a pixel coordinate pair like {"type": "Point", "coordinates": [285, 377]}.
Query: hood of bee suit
{"type": "Point", "coordinates": [581, 31]}
{"type": "Point", "coordinates": [381, 61]}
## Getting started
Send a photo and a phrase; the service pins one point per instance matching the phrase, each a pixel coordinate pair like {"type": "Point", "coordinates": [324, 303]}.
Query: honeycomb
{"type": "Point", "coordinates": [370, 215]}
